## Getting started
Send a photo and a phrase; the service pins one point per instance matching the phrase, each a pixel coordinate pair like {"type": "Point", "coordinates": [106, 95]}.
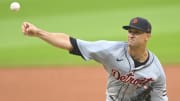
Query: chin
{"type": "Point", "coordinates": [131, 45]}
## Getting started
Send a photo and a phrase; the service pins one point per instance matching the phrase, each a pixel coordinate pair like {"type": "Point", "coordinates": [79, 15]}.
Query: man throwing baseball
{"type": "Point", "coordinates": [134, 72]}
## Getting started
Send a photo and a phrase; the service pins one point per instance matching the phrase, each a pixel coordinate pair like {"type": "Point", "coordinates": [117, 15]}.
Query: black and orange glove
{"type": "Point", "coordinates": [142, 94]}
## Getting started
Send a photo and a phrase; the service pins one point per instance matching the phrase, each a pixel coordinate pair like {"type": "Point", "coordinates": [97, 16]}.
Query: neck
{"type": "Point", "coordinates": [138, 54]}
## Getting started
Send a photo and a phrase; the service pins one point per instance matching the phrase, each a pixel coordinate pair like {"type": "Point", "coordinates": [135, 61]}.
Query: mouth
{"type": "Point", "coordinates": [130, 40]}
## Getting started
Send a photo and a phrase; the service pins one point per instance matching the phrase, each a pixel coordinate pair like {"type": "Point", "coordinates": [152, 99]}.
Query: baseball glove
{"type": "Point", "coordinates": [142, 94]}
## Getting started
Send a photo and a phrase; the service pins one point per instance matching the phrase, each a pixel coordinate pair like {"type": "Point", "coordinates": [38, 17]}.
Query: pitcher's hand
{"type": "Point", "coordinates": [30, 29]}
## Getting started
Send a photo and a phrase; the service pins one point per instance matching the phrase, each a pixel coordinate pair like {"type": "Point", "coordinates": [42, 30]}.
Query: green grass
{"type": "Point", "coordinates": [88, 20]}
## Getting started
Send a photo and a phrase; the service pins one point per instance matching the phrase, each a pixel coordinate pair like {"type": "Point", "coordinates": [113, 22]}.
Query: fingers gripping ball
{"type": "Point", "coordinates": [15, 6]}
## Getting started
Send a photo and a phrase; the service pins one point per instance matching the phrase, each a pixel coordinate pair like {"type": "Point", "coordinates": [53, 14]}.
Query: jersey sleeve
{"type": "Point", "coordinates": [75, 49]}
{"type": "Point", "coordinates": [96, 50]}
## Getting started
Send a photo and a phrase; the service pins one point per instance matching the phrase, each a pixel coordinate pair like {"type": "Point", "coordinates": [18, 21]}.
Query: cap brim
{"type": "Point", "coordinates": [126, 27]}
{"type": "Point", "coordinates": [134, 27]}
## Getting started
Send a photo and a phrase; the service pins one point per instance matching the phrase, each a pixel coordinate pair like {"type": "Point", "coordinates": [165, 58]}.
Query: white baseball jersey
{"type": "Point", "coordinates": [123, 76]}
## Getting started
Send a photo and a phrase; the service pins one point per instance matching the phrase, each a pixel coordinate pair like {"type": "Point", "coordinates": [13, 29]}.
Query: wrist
{"type": "Point", "coordinates": [41, 33]}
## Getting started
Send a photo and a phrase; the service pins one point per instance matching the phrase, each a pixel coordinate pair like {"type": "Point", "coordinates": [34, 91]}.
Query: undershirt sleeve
{"type": "Point", "coordinates": [75, 50]}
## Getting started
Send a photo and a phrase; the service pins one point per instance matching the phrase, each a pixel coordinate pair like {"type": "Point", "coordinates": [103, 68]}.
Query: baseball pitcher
{"type": "Point", "coordinates": [134, 72]}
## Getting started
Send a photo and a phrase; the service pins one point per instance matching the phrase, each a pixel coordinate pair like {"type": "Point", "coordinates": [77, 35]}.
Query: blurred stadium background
{"type": "Point", "coordinates": [88, 20]}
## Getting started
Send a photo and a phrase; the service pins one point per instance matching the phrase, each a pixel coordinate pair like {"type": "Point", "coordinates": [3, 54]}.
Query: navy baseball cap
{"type": "Point", "coordinates": [139, 24]}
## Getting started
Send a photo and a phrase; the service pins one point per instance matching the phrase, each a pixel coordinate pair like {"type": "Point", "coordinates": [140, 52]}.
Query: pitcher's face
{"type": "Point", "coordinates": [137, 38]}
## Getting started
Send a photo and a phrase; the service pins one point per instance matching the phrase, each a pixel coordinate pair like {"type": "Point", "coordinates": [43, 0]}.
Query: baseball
{"type": "Point", "coordinates": [15, 6]}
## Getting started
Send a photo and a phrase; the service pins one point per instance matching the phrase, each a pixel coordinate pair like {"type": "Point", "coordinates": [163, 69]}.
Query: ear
{"type": "Point", "coordinates": [148, 35]}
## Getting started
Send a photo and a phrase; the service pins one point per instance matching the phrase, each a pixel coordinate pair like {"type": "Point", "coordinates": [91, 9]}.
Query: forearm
{"type": "Point", "coordinates": [60, 40]}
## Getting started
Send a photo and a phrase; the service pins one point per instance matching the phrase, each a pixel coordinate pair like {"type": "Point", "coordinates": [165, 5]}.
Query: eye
{"type": "Point", "coordinates": [133, 32]}
{"type": "Point", "coordinates": [136, 32]}
{"type": "Point", "coordinates": [130, 31]}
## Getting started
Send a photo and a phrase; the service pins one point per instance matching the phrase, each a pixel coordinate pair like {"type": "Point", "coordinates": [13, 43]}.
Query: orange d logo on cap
{"type": "Point", "coordinates": [135, 21]}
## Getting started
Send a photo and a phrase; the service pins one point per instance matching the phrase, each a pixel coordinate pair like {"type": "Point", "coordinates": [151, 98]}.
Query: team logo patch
{"type": "Point", "coordinates": [135, 21]}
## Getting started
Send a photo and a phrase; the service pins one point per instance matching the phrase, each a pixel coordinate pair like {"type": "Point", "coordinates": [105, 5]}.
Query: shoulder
{"type": "Point", "coordinates": [101, 43]}
{"type": "Point", "coordinates": [157, 63]}
{"type": "Point", "coordinates": [158, 68]}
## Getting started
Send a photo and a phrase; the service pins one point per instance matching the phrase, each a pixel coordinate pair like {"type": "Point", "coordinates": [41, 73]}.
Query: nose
{"type": "Point", "coordinates": [131, 35]}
